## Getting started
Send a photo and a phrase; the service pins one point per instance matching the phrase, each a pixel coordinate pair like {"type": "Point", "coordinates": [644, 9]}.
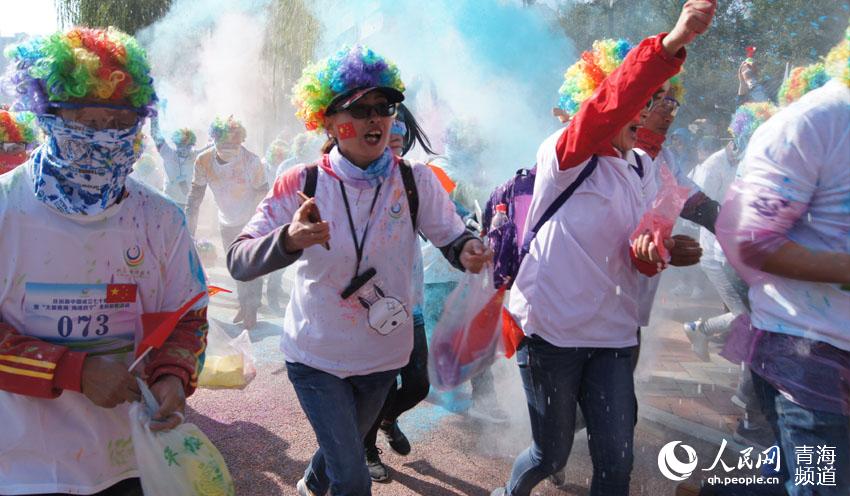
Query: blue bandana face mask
{"type": "Point", "coordinates": [81, 170]}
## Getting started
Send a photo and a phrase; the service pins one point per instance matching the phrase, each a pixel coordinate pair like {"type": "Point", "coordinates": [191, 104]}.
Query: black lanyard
{"type": "Point", "coordinates": [358, 247]}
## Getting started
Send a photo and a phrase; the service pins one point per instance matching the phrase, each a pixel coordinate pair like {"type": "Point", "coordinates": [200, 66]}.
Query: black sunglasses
{"type": "Point", "coordinates": [363, 111]}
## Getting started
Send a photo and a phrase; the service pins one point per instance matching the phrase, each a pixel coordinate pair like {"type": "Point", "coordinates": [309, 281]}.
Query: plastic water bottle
{"type": "Point", "coordinates": [500, 218]}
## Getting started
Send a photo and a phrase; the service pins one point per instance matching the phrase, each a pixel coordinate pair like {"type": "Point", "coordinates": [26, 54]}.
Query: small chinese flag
{"type": "Point", "coordinates": [120, 293]}
{"type": "Point", "coordinates": [346, 131]}
{"type": "Point", "coordinates": [472, 344]}
{"type": "Point", "coordinates": [214, 290]}
{"type": "Point", "coordinates": [158, 326]}
{"type": "Point", "coordinates": [512, 334]}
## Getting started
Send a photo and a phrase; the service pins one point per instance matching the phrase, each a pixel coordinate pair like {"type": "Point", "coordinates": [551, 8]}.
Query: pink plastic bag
{"type": "Point", "coordinates": [666, 208]}
{"type": "Point", "coordinates": [466, 338]}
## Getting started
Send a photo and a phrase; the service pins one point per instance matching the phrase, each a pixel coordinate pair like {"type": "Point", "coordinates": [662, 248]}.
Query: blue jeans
{"type": "Point", "coordinates": [340, 411]}
{"type": "Point", "coordinates": [556, 379]}
{"type": "Point", "coordinates": [797, 426]}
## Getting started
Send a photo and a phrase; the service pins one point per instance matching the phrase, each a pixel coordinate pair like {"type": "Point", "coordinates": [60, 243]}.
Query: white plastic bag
{"type": "Point", "coordinates": [181, 461]}
{"type": "Point", "coordinates": [466, 338]}
{"type": "Point", "coordinates": [229, 363]}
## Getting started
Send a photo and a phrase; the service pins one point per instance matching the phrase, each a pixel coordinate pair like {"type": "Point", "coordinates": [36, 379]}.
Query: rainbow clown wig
{"type": "Point", "coordinates": [838, 60]}
{"type": "Point", "coordinates": [184, 137]}
{"type": "Point", "coordinates": [583, 77]}
{"type": "Point", "coordinates": [18, 127]}
{"type": "Point", "coordinates": [227, 130]}
{"type": "Point", "coordinates": [800, 81]}
{"type": "Point", "coordinates": [747, 119]}
{"type": "Point", "coordinates": [277, 152]}
{"type": "Point", "coordinates": [677, 88]}
{"type": "Point", "coordinates": [101, 64]}
{"type": "Point", "coordinates": [348, 69]}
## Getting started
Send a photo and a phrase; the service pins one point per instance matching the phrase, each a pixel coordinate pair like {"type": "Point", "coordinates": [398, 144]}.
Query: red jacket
{"type": "Point", "coordinates": [617, 100]}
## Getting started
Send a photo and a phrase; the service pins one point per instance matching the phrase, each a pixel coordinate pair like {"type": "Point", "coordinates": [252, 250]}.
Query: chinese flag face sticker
{"type": "Point", "coordinates": [346, 131]}
{"type": "Point", "coordinates": [120, 293]}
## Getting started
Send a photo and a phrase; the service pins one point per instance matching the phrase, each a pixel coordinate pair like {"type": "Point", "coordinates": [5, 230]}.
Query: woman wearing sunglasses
{"type": "Point", "coordinates": [404, 135]}
{"type": "Point", "coordinates": [348, 327]}
{"type": "Point", "coordinates": [579, 330]}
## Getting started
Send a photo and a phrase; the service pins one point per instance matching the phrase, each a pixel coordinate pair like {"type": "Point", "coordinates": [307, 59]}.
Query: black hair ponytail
{"type": "Point", "coordinates": [414, 133]}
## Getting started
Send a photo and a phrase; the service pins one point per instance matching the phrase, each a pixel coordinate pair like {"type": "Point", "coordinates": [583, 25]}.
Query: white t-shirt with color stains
{"type": "Point", "coordinates": [83, 283]}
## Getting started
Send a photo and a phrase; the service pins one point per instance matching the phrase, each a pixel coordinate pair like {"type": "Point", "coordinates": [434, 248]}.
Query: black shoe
{"type": "Point", "coordinates": [377, 470]}
{"type": "Point", "coordinates": [396, 439]}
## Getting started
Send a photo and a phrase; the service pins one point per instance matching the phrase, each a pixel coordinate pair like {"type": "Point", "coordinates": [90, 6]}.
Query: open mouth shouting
{"type": "Point", "coordinates": [373, 137]}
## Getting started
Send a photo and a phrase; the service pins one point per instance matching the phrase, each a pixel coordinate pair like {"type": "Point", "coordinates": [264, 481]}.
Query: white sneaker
{"type": "Point", "coordinates": [698, 339]}
{"type": "Point", "coordinates": [737, 401]}
{"type": "Point", "coordinates": [301, 487]}
{"type": "Point", "coordinates": [488, 411]}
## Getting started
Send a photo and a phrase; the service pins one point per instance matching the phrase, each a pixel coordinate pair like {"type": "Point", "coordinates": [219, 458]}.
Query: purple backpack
{"type": "Point", "coordinates": [511, 241]}
{"type": "Point", "coordinates": [516, 193]}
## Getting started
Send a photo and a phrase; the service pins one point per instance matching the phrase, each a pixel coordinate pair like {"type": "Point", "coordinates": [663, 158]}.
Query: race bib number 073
{"type": "Point", "coordinates": [96, 318]}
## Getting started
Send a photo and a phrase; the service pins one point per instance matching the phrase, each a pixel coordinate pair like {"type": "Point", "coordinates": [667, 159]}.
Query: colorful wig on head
{"type": "Point", "coordinates": [837, 61]}
{"type": "Point", "coordinates": [18, 127]}
{"type": "Point", "coordinates": [348, 69]}
{"type": "Point", "coordinates": [677, 88]}
{"type": "Point", "coordinates": [299, 144]}
{"type": "Point", "coordinates": [99, 64]}
{"type": "Point", "coordinates": [277, 152]}
{"type": "Point", "coordinates": [184, 137]}
{"type": "Point", "coordinates": [747, 119]}
{"type": "Point", "coordinates": [800, 81]}
{"type": "Point", "coordinates": [227, 130]}
{"type": "Point", "coordinates": [582, 78]}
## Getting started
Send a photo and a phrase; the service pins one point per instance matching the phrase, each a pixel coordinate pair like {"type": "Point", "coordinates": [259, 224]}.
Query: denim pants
{"type": "Point", "coordinates": [340, 412]}
{"type": "Point", "coordinates": [798, 427]}
{"type": "Point", "coordinates": [600, 381]}
{"type": "Point", "coordinates": [414, 385]}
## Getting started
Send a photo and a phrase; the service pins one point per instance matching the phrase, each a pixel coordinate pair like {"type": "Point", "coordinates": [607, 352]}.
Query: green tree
{"type": "Point", "coordinates": [290, 42]}
{"type": "Point", "coordinates": [129, 16]}
{"type": "Point", "coordinates": [784, 32]}
{"type": "Point", "coordinates": [291, 35]}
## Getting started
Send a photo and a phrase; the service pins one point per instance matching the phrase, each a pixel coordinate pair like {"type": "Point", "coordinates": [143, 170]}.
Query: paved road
{"type": "Point", "coordinates": [267, 441]}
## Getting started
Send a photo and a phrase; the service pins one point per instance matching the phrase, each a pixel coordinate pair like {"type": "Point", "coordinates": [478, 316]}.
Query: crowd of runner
{"type": "Point", "coordinates": [97, 236]}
